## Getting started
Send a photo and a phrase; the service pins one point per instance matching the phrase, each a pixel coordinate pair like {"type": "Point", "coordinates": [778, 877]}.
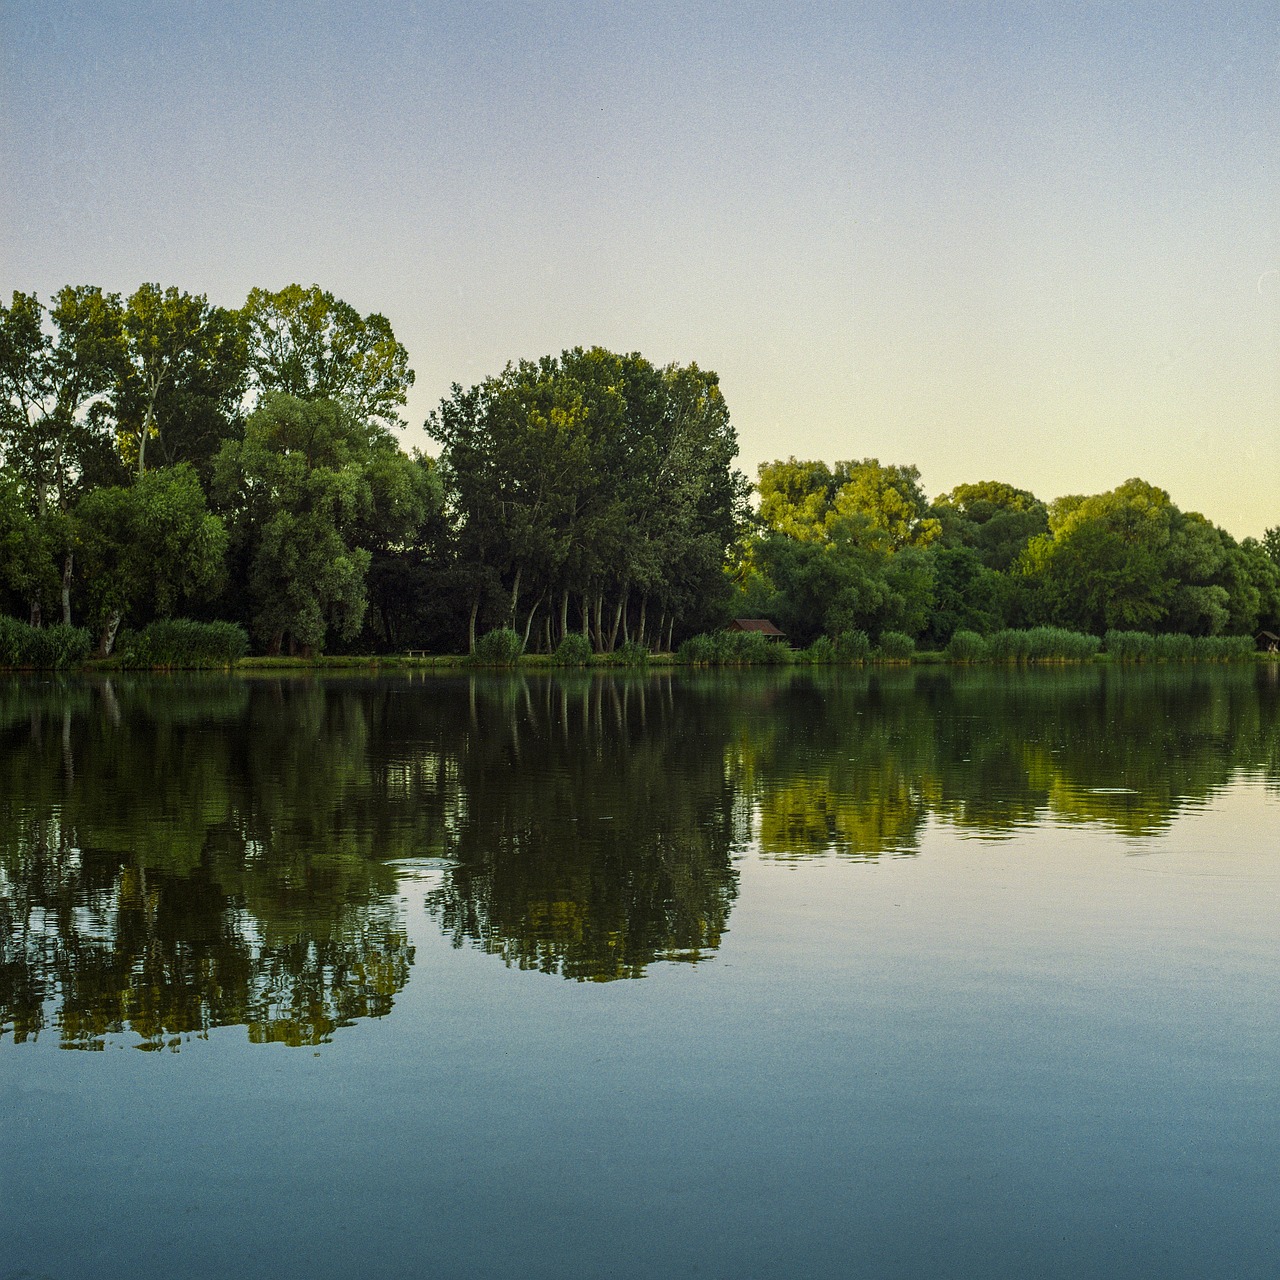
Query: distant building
{"type": "Point", "coordinates": [761, 626]}
{"type": "Point", "coordinates": [1269, 641]}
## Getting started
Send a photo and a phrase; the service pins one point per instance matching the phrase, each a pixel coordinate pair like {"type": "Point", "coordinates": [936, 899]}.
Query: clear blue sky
{"type": "Point", "coordinates": [1030, 242]}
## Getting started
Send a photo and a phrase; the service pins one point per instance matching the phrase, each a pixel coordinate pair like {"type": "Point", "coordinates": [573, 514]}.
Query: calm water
{"type": "Point", "coordinates": [908, 974]}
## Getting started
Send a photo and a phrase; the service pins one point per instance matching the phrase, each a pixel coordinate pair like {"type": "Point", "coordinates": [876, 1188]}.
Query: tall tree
{"type": "Point", "coordinates": [309, 492]}
{"type": "Point", "coordinates": [311, 345]}
{"type": "Point", "coordinates": [181, 378]}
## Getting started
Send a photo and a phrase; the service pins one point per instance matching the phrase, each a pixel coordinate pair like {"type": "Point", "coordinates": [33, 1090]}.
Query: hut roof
{"type": "Point", "coordinates": [762, 625]}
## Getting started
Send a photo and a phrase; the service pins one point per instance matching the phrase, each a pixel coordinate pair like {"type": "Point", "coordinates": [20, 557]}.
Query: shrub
{"type": "Point", "coordinates": [853, 646]}
{"type": "Point", "coordinates": [967, 646]}
{"type": "Point", "coordinates": [821, 652]}
{"type": "Point", "coordinates": [1138, 646]}
{"type": "Point", "coordinates": [895, 646]}
{"type": "Point", "coordinates": [631, 654]}
{"type": "Point", "coordinates": [573, 651]}
{"type": "Point", "coordinates": [500, 648]}
{"type": "Point", "coordinates": [180, 642]}
{"type": "Point", "coordinates": [44, 648]}
{"type": "Point", "coordinates": [734, 649]}
{"type": "Point", "coordinates": [1042, 644]}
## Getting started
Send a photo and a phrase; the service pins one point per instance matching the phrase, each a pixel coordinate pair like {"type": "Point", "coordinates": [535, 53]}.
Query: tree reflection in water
{"type": "Point", "coordinates": [182, 854]}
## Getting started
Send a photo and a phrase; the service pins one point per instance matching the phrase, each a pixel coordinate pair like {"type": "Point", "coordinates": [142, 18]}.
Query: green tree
{"type": "Point", "coordinates": [181, 378]}
{"type": "Point", "coordinates": [993, 518]}
{"type": "Point", "coordinates": [146, 548]}
{"type": "Point", "coordinates": [306, 343]}
{"type": "Point", "coordinates": [309, 492]}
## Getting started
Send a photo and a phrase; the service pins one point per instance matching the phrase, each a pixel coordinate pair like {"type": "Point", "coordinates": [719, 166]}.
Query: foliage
{"type": "Point", "coordinates": [310, 492]}
{"type": "Point", "coordinates": [895, 646]}
{"type": "Point", "coordinates": [148, 547]}
{"type": "Point", "coordinates": [594, 485]}
{"type": "Point", "coordinates": [1041, 644]}
{"type": "Point", "coordinates": [310, 345]}
{"type": "Point", "coordinates": [573, 651]}
{"type": "Point", "coordinates": [853, 646]}
{"type": "Point", "coordinates": [967, 646]}
{"type": "Point", "coordinates": [822, 652]}
{"type": "Point", "coordinates": [1140, 646]}
{"type": "Point", "coordinates": [734, 649]}
{"type": "Point", "coordinates": [42, 648]}
{"type": "Point", "coordinates": [629, 654]}
{"type": "Point", "coordinates": [499, 648]}
{"type": "Point", "coordinates": [182, 643]}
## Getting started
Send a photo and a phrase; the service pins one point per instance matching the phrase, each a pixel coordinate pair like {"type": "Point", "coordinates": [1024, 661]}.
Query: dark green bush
{"type": "Point", "coordinates": [734, 649]}
{"type": "Point", "coordinates": [43, 648]}
{"type": "Point", "coordinates": [500, 648]}
{"type": "Point", "coordinates": [821, 652]}
{"type": "Point", "coordinates": [895, 646]}
{"type": "Point", "coordinates": [853, 646]}
{"type": "Point", "coordinates": [1042, 644]}
{"type": "Point", "coordinates": [631, 654]}
{"type": "Point", "coordinates": [967, 646]}
{"type": "Point", "coordinates": [1138, 646]}
{"type": "Point", "coordinates": [184, 644]}
{"type": "Point", "coordinates": [573, 651]}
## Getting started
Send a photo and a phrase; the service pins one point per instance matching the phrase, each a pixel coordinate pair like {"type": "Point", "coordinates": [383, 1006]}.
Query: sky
{"type": "Point", "coordinates": [1037, 243]}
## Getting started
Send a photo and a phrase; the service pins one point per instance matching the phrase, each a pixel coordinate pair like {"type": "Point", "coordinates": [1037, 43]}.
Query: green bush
{"type": "Point", "coordinates": [1041, 644]}
{"type": "Point", "coordinates": [631, 654]}
{"type": "Point", "coordinates": [967, 646]}
{"type": "Point", "coordinates": [822, 652]}
{"type": "Point", "coordinates": [573, 651]}
{"type": "Point", "coordinates": [853, 646]}
{"type": "Point", "coordinates": [895, 646]}
{"type": "Point", "coordinates": [1138, 646]}
{"type": "Point", "coordinates": [43, 648]}
{"type": "Point", "coordinates": [734, 649]}
{"type": "Point", "coordinates": [500, 648]}
{"type": "Point", "coordinates": [182, 643]}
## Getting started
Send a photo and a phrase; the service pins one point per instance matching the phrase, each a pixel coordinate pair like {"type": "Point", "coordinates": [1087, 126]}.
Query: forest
{"type": "Point", "coordinates": [168, 458]}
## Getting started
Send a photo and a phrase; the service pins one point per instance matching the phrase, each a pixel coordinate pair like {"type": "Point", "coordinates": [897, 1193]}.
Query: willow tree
{"type": "Point", "coordinates": [308, 493]}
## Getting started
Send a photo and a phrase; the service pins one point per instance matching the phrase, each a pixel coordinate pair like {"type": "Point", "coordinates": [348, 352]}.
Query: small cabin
{"type": "Point", "coordinates": [1269, 641]}
{"type": "Point", "coordinates": [761, 627]}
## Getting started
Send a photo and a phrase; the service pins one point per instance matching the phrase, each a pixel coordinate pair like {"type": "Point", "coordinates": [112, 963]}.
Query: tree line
{"type": "Point", "coordinates": [164, 456]}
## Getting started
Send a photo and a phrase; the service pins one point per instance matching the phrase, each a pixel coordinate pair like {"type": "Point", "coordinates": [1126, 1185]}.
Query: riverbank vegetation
{"type": "Point", "coordinates": [169, 464]}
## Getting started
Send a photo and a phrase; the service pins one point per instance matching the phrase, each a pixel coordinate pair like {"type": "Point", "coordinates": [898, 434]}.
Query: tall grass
{"type": "Point", "coordinates": [179, 643]}
{"type": "Point", "coordinates": [500, 648]}
{"type": "Point", "coordinates": [573, 651]}
{"type": "Point", "coordinates": [734, 649]}
{"type": "Point", "coordinates": [895, 646]}
{"type": "Point", "coordinates": [1138, 646]}
{"type": "Point", "coordinates": [41, 648]}
{"type": "Point", "coordinates": [968, 646]}
{"type": "Point", "coordinates": [1041, 644]}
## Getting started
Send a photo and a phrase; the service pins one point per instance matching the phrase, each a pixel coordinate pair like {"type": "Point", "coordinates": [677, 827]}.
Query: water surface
{"type": "Point", "coordinates": [892, 973]}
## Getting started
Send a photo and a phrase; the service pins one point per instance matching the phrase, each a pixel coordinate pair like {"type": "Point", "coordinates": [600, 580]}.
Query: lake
{"type": "Point", "coordinates": [916, 972]}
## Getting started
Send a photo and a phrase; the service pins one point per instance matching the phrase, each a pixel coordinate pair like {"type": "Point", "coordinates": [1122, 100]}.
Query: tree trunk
{"type": "Point", "coordinates": [644, 605]}
{"type": "Point", "coordinates": [108, 636]}
{"type": "Point", "coordinates": [471, 624]}
{"type": "Point", "coordinates": [599, 626]}
{"type": "Point", "coordinates": [586, 617]}
{"type": "Point", "coordinates": [671, 626]}
{"type": "Point", "coordinates": [564, 614]}
{"type": "Point", "coordinates": [617, 622]}
{"type": "Point", "coordinates": [68, 567]}
{"type": "Point", "coordinates": [275, 643]}
{"type": "Point", "coordinates": [515, 596]}
{"type": "Point", "coordinates": [37, 615]}
{"type": "Point", "coordinates": [528, 626]}
{"type": "Point", "coordinates": [147, 420]}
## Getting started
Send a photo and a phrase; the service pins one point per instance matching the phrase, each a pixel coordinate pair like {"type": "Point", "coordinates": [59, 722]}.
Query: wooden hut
{"type": "Point", "coordinates": [1269, 641]}
{"type": "Point", "coordinates": [761, 626]}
